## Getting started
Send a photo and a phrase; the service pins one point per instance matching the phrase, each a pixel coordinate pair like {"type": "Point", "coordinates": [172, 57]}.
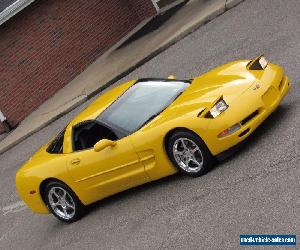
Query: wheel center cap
{"type": "Point", "coordinates": [189, 154]}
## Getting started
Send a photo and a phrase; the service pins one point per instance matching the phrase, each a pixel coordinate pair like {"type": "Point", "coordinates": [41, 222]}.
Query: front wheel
{"type": "Point", "coordinates": [189, 153]}
{"type": "Point", "coordinates": [63, 202]}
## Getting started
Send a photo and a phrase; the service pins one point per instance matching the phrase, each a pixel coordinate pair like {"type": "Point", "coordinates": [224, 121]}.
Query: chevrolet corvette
{"type": "Point", "coordinates": [147, 129]}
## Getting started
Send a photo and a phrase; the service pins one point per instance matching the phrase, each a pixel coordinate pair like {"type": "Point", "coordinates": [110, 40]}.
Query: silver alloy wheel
{"type": "Point", "coordinates": [61, 202]}
{"type": "Point", "coordinates": [188, 155]}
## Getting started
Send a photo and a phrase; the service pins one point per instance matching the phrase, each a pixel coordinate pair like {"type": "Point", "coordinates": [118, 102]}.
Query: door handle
{"type": "Point", "coordinates": [75, 161]}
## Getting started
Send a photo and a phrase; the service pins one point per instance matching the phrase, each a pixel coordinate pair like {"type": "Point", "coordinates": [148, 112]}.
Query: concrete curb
{"type": "Point", "coordinates": [231, 3]}
{"type": "Point", "coordinates": [42, 125]}
{"type": "Point", "coordinates": [219, 7]}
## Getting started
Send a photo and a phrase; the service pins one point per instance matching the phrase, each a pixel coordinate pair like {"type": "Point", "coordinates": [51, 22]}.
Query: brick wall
{"type": "Point", "coordinates": [46, 45]}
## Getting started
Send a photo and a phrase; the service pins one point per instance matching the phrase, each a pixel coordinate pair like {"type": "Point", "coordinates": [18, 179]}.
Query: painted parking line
{"type": "Point", "coordinates": [14, 208]}
{"type": "Point", "coordinates": [7, 233]}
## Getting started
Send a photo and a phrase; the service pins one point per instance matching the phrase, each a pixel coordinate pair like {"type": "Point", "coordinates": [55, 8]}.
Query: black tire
{"type": "Point", "coordinates": [203, 153]}
{"type": "Point", "coordinates": [57, 187]}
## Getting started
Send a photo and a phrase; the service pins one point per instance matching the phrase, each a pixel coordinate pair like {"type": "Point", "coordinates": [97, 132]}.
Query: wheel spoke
{"type": "Point", "coordinates": [64, 194]}
{"type": "Point", "coordinates": [195, 161]}
{"type": "Point", "coordinates": [179, 152]}
{"type": "Point", "coordinates": [70, 204]}
{"type": "Point", "coordinates": [183, 144]}
{"type": "Point", "coordinates": [55, 203]}
{"type": "Point", "coordinates": [187, 162]}
{"type": "Point", "coordinates": [194, 150]}
{"type": "Point", "coordinates": [55, 194]}
{"type": "Point", "coordinates": [65, 211]}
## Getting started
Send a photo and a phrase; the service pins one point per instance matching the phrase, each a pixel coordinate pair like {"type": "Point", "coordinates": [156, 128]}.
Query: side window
{"type": "Point", "coordinates": [87, 134]}
{"type": "Point", "coordinates": [56, 146]}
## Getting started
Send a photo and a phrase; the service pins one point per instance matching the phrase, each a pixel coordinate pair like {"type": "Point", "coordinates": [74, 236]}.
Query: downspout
{"type": "Point", "coordinates": [5, 122]}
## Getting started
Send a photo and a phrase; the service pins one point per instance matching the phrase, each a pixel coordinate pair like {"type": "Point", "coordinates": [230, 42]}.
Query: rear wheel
{"type": "Point", "coordinates": [63, 202]}
{"type": "Point", "coordinates": [189, 153]}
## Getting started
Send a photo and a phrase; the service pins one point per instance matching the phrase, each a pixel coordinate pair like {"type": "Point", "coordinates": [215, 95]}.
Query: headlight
{"type": "Point", "coordinates": [217, 109]}
{"type": "Point", "coordinates": [263, 62]}
{"type": "Point", "coordinates": [259, 63]}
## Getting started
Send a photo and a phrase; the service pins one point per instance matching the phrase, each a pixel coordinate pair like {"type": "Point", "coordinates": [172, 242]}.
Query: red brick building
{"type": "Point", "coordinates": [48, 43]}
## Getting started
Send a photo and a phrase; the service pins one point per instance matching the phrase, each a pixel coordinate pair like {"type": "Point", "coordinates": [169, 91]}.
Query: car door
{"type": "Point", "coordinates": [111, 170]}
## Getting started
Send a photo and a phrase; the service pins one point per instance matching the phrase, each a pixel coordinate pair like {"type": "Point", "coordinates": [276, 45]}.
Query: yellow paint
{"type": "Point", "coordinates": [104, 144]}
{"type": "Point", "coordinates": [141, 157]}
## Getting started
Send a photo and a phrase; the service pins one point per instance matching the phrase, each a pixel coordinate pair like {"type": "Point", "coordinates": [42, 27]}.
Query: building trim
{"type": "Point", "coordinates": [13, 9]}
{"type": "Point", "coordinates": [161, 10]}
{"type": "Point", "coordinates": [155, 5]}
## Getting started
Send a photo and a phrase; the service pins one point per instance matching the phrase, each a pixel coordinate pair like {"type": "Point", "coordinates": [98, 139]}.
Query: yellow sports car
{"type": "Point", "coordinates": [146, 129]}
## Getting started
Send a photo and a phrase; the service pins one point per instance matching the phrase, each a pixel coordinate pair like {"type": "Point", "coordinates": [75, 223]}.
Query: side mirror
{"type": "Point", "coordinates": [102, 144]}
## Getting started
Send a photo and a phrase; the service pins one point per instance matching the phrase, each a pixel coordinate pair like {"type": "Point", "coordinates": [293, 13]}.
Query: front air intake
{"type": "Point", "coordinates": [249, 117]}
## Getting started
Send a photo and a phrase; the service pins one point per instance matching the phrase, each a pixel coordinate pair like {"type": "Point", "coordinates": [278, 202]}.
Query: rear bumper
{"type": "Point", "coordinates": [250, 109]}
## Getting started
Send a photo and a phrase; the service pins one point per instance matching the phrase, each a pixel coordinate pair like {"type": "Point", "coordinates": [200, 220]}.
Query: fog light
{"type": "Point", "coordinates": [230, 130]}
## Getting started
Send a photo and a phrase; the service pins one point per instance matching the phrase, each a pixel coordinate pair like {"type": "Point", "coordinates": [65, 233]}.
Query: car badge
{"type": "Point", "coordinates": [257, 86]}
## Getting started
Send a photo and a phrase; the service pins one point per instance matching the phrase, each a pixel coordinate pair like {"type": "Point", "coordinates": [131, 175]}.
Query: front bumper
{"type": "Point", "coordinates": [33, 201]}
{"type": "Point", "coordinates": [250, 109]}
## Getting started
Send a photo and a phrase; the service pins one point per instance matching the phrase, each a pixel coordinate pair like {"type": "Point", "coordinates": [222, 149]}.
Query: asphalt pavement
{"type": "Point", "coordinates": [256, 191]}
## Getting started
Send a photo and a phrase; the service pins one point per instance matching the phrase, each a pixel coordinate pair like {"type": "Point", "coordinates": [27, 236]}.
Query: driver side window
{"type": "Point", "coordinates": [86, 134]}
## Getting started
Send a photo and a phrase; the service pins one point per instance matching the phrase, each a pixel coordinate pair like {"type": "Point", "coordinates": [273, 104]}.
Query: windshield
{"type": "Point", "coordinates": [141, 103]}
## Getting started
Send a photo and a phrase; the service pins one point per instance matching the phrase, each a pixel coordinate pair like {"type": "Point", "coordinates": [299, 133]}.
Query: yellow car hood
{"type": "Point", "coordinates": [230, 81]}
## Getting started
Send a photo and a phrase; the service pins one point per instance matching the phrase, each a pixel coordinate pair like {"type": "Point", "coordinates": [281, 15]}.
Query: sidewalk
{"type": "Point", "coordinates": [116, 63]}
